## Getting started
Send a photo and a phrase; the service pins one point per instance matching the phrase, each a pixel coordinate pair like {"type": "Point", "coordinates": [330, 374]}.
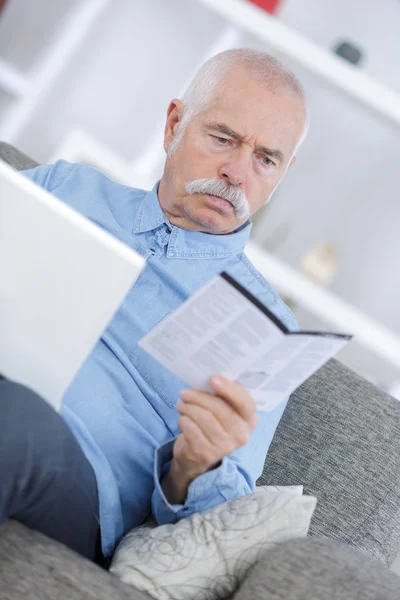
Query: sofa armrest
{"type": "Point", "coordinates": [15, 158]}
{"type": "Point", "coordinates": [320, 569]}
{"type": "Point", "coordinates": [32, 566]}
{"type": "Point", "coordinates": [340, 437]}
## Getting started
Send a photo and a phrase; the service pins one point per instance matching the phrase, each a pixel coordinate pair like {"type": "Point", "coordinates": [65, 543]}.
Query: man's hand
{"type": "Point", "coordinates": [212, 426]}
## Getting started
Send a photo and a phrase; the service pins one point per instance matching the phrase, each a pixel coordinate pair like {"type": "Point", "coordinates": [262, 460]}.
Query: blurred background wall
{"type": "Point", "coordinates": [90, 80]}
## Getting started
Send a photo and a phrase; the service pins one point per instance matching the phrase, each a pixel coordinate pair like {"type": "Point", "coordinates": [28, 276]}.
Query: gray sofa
{"type": "Point", "coordinates": [340, 437]}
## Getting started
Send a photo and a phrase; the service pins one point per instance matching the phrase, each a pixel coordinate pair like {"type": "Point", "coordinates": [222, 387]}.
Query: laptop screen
{"type": "Point", "coordinates": [62, 278]}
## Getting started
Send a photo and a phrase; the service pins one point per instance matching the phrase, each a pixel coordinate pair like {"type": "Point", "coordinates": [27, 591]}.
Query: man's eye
{"type": "Point", "coordinates": [221, 140]}
{"type": "Point", "coordinates": [266, 161]}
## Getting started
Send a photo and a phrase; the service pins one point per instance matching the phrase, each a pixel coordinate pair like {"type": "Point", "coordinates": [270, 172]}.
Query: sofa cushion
{"type": "Point", "coordinates": [34, 567]}
{"type": "Point", "coordinates": [318, 569]}
{"type": "Point", "coordinates": [208, 554]}
{"type": "Point", "coordinates": [15, 158]}
{"type": "Point", "coordinates": [340, 436]}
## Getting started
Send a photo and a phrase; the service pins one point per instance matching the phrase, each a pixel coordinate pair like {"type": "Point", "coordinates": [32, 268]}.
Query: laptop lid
{"type": "Point", "coordinates": [62, 278]}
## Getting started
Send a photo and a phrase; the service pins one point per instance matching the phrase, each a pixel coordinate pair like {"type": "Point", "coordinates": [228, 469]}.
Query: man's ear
{"type": "Point", "coordinates": [292, 161]}
{"type": "Point", "coordinates": [174, 116]}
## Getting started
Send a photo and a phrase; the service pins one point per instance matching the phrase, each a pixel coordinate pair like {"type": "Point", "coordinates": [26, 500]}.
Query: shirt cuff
{"type": "Point", "coordinates": [203, 492]}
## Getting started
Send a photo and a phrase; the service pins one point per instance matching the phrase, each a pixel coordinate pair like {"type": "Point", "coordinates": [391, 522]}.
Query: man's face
{"type": "Point", "coordinates": [243, 141]}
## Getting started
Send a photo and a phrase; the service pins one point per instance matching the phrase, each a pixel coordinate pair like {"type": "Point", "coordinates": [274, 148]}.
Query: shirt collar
{"type": "Point", "coordinates": [184, 243]}
{"type": "Point", "coordinates": [149, 215]}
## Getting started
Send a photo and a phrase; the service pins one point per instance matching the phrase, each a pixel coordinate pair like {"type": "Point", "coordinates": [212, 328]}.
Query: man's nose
{"type": "Point", "coordinates": [235, 169]}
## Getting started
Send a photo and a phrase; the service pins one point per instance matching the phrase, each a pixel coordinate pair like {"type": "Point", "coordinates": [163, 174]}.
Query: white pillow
{"type": "Point", "coordinates": [208, 554]}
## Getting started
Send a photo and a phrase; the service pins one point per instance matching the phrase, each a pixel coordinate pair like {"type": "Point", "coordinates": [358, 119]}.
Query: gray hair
{"type": "Point", "coordinates": [260, 66]}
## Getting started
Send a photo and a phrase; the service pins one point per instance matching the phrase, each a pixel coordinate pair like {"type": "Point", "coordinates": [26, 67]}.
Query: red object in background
{"type": "Point", "coordinates": [268, 5]}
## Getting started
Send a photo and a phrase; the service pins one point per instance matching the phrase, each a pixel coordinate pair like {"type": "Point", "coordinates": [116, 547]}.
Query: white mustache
{"type": "Point", "coordinates": [218, 187]}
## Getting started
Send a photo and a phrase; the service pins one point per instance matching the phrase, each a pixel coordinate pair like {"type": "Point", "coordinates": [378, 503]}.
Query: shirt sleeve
{"type": "Point", "coordinates": [235, 477]}
{"type": "Point", "coordinates": [49, 177]}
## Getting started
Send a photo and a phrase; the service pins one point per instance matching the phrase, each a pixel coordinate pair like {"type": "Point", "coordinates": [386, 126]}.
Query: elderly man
{"type": "Point", "coordinates": [131, 439]}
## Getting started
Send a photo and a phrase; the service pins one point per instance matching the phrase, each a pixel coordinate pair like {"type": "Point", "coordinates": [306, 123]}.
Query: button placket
{"type": "Point", "coordinates": [160, 240]}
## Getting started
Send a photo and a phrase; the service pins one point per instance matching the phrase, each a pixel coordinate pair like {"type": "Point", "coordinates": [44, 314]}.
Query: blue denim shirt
{"type": "Point", "coordinates": [121, 404]}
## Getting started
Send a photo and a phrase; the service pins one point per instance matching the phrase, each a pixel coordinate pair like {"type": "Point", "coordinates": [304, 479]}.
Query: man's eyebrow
{"type": "Point", "coordinates": [222, 128]}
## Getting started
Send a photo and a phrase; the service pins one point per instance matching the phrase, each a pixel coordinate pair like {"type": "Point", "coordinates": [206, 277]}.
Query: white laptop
{"type": "Point", "coordinates": [62, 278]}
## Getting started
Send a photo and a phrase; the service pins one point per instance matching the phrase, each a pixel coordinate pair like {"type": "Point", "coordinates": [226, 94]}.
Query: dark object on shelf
{"type": "Point", "coordinates": [268, 5]}
{"type": "Point", "coordinates": [2, 3]}
{"type": "Point", "coordinates": [349, 52]}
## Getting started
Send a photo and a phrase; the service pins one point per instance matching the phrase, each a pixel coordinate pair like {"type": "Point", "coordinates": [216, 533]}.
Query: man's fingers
{"type": "Point", "coordinates": [210, 426]}
{"type": "Point", "coordinates": [222, 410]}
{"type": "Point", "coordinates": [198, 450]}
{"type": "Point", "coordinates": [213, 426]}
{"type": "Point", "coordinates": [232, 401]}
{"type": "Point", "coordinates": [237, 396]}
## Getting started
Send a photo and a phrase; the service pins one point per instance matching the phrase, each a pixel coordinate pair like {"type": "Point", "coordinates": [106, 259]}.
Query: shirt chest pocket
{"type": "Point", "coordinates": [160, 380]}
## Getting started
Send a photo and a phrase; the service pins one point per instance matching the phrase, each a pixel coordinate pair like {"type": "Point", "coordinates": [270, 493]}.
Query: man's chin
{"type": "Point", "coordinates": [209, 220]}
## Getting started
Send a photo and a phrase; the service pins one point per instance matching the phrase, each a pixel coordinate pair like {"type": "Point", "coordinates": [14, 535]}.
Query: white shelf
{"type": "Point", "coordinates": [324, 64]}
{"type": "Point", "coordinates": [79, 146]}
{"type": "Point", "coordinates": [13, 81]}
{"type": "Point", "coordinates": [76, 26]}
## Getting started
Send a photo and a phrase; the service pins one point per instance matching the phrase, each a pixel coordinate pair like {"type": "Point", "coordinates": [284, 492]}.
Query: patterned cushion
{"type": "Point", "coordinates": [208, 554]}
